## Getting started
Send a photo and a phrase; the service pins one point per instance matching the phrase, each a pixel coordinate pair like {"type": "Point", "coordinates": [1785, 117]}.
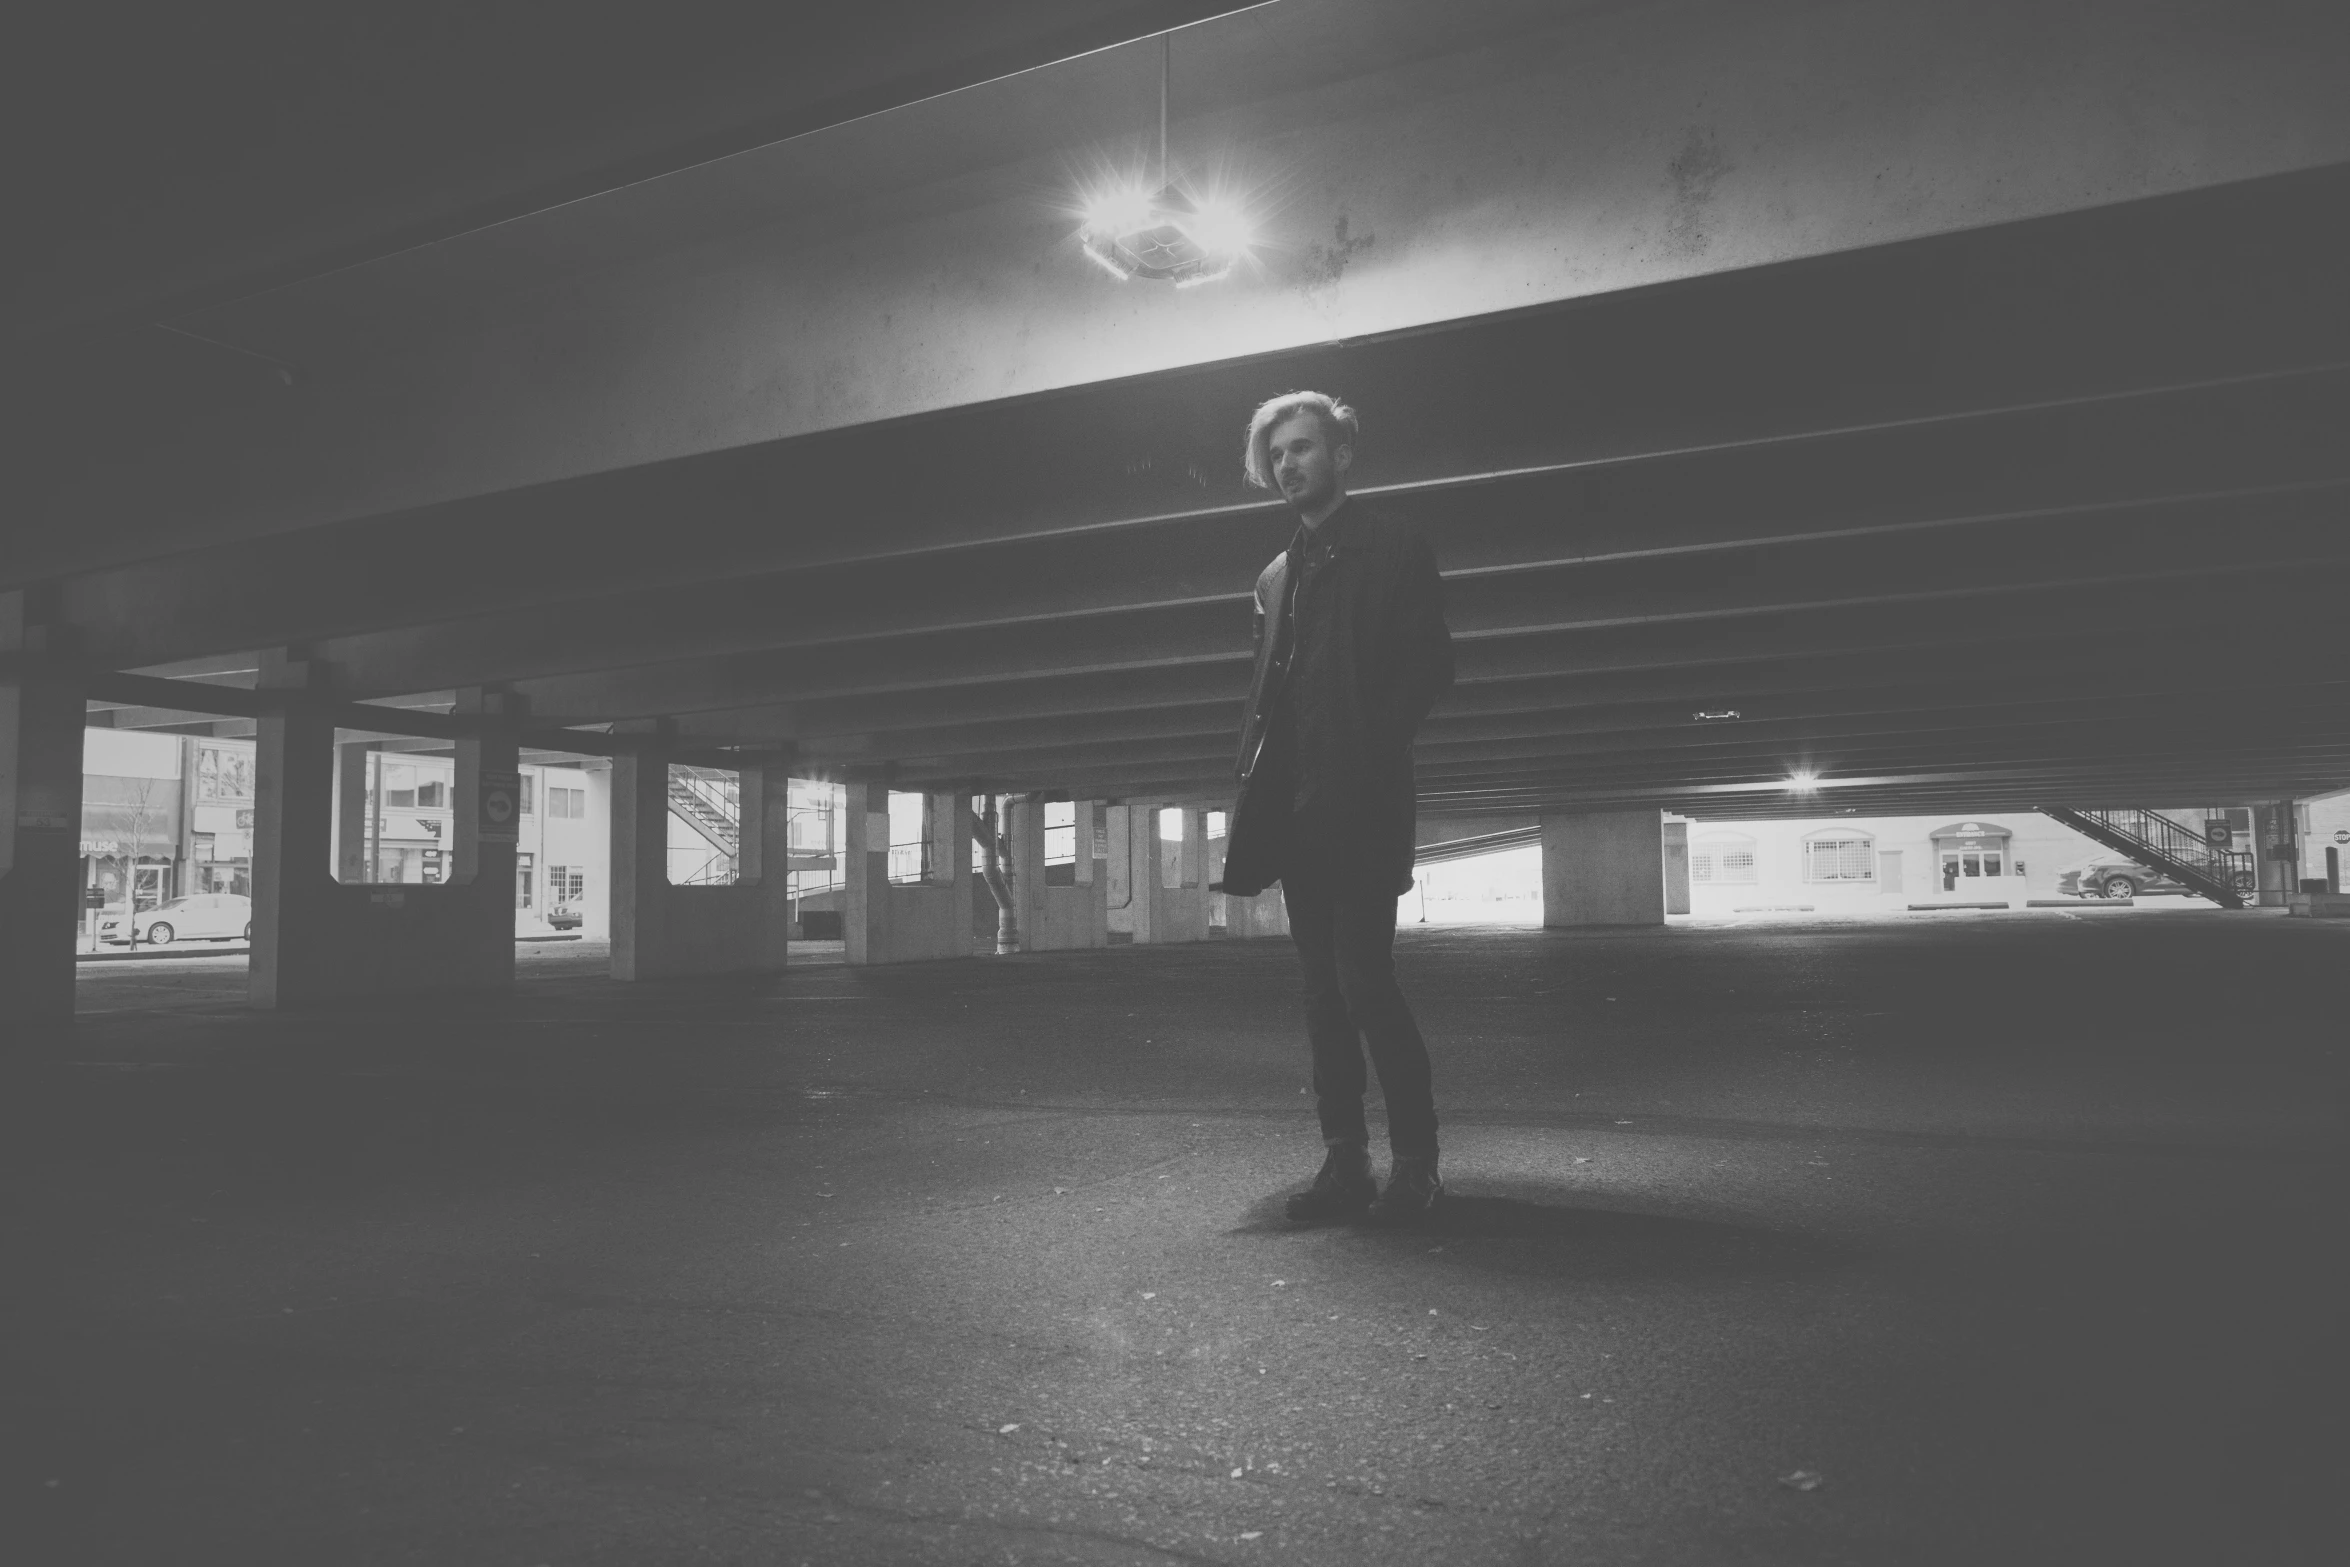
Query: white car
{"type": "Point", "coordinates": [208, 916]}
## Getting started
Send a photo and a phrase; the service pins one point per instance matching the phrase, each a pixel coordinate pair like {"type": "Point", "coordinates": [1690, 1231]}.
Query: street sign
{"type": "Point", "coordinates": [500, 817]}
{"type": "Point", "coordinates": [2218, 833]}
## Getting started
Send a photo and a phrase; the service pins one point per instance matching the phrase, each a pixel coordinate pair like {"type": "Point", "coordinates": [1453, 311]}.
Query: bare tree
{"type": "Point", "coordinates": [141, 803]}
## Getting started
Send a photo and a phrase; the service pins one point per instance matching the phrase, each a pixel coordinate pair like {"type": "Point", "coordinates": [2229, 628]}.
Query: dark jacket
{"type": "Point", "coordinates": [1371, 656]}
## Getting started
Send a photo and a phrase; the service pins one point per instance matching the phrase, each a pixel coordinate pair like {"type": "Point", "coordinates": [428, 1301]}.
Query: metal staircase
{"type": "Point", "coordinates": [2225, 876]}
{"type": "Point", "coordinates": [710, 807]}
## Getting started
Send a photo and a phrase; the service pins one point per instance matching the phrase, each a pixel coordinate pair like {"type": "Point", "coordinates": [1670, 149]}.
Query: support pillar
{"type": "Point", "coordinates": [595, 911]}
{"type": "Point", "coordinates": [904, 922]}
{"type": "Point", "coordinates": [40, 825]}
{"type": "Point", "coordinates": [484, 848]}
{"type": "Point", "coordinates": [1163, 913]}
{"type": "Point", "coordinates": [2277, 847]}
{"type": "Point", "coordinates": [317, 939]}
{"type": "Point", "coordinates": [352, 840]}
{"type": "Point", "coordinates": [1058, 918]}
{"type": "Point", "coordinates": [1602, 868]}
{"type": "Point", "coordinates": [660, 931]}
{"type": "Point", "coordinates": [1676, 867]}
{"type": "Point", "coordinates": [296, 900]}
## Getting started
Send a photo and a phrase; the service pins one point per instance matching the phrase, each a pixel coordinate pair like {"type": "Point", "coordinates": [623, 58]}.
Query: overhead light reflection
{"type": "Point", "coordinates": [1165, 237]}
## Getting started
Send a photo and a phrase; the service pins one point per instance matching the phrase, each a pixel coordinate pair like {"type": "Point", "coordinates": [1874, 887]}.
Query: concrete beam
{"type": "Point", "coordinates": [1433, 180]}
{"type": "Point", "coordinates": [1956, 467]}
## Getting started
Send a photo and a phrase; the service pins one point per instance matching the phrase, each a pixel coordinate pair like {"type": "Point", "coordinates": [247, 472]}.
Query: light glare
{"type": "Point", "coordinates": [1167, 237]}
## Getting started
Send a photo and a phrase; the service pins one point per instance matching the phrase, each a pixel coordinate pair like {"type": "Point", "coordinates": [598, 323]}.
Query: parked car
{"type": "Point", "coordinates": [2112, 876]}
{"type": "Point", "coordinates": [208, 916]}
{"type": "Point", "coordinates": [564, 917]}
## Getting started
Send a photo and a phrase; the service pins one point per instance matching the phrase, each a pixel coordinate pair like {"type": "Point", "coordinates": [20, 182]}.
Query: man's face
{"type": "Point", "coordinates": [1306, 468]}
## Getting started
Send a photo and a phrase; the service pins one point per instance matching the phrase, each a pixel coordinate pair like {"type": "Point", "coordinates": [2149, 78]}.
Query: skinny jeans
{"type": "Point", "coordinates": [1346, 945]}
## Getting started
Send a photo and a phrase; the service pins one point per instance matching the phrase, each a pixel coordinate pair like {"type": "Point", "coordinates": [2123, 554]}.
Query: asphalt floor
{"type": "Point", "coordinates": [1998, 1239]}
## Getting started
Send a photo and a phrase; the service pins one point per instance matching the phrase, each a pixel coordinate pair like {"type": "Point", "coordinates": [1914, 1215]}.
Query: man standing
{"type": "Point", "coordinates": [1352, 651]}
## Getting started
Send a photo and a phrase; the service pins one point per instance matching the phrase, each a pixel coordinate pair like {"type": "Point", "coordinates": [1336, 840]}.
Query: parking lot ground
{"type": "Point", "coordinates": [2020, 1233]}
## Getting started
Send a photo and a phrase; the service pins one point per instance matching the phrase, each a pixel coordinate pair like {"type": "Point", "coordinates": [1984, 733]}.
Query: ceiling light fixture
{"type": "Point", "coordinates": [1170, 236]}
{"type": "Point", "coordinates": [1714, 714]}
{"type": "Point", "coordinates": [1803, 781]}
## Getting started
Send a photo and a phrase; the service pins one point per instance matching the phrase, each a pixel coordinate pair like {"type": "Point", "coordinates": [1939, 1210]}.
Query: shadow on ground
{"type": "Point", "coordinates": [1557, 1231]}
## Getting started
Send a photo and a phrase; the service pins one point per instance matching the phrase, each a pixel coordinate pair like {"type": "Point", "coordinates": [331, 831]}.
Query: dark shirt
{"type": "Point", "coordinates": [1306, 718]}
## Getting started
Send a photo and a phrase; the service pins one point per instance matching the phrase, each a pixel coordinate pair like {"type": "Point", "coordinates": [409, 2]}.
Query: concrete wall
{"type": "Point", "coordinates": [1162, 913]}
{"type": "Point", "coordinates": [1423, 163]}
{"type": "Point", "coordinates": [660, 931]}
{"type": "Point", "coordinates": [1602, 868]}
{"type": "Point", "coordinates": [885, 923]}
{"type": "Point", "coordinates": [316, 939]}
{"type": "Point", "coordinates": [1676, 867]}
{"type": "Point", "coordinates": [1054, 919]}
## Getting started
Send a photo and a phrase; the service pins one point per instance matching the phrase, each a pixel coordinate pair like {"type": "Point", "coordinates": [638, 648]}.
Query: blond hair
{"type": "Point", "coordinates": [1339, 428]}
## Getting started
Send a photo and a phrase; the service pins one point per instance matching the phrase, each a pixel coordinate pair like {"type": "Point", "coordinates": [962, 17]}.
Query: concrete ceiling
{"type": "Point", "coordinates": [2037, 511]}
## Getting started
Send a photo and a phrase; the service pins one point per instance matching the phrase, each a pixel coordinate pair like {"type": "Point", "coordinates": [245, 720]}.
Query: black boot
{"type": "Point", "coordinates": [1342, 1189]}
{"type": "Point", "coordinates": [1412, 1189]}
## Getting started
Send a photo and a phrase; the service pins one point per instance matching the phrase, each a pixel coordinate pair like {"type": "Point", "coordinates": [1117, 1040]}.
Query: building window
{"type": "Point", "coordinates": [1060, 843]}
{"type": "Point", "coordinates": [1839, 859]}
{"type": "Point", "coordinates": [910, 837]}
{"type": "Point", "coordinates": [528, 789]}
{"type": "Point", "coordinates": [224, 773]}
{"type": "Point", "coordinates": [433, 793]}
{"type": "Point", "coordinates": [569, 804]}
{"type": "Point", "coordinates": [1722, 862]}
{"type": "Point", "coordinates": [400, 787]}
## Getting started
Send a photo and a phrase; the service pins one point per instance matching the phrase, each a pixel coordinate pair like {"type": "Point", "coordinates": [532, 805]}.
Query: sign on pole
{"type": "Point", "coordinates": [500, 819]}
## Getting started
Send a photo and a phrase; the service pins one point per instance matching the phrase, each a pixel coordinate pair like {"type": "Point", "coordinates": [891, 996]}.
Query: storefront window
{"type": "Point", "coordinates": [1839, 859]}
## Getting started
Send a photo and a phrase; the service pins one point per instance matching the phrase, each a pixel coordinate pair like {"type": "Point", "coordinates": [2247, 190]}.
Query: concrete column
{"type": "Point", "coordinates": [595, 923]}
{"type": "Point", "coordinates": [1676, 867]}
{"type": "Point", "coordinates": [2273, 827]}
{"type": "Point", "coordinates": [885, 923]}
{"type": "Point", "coordinates": [1146, 914]}
{"type": "Point", "coordinates": [661, 931]}
{"type": "Point", "coordinates": [316, 939]}
{"type": "Point", "coordinates": [1602, 868]}
{"type": "Point", "coordinates": [484, 844]}
{"type": "Point", "coordinates": [40, 827]}
{"type": "Point", "coordinates": [352, 768]}
{"type": "Point", "coordinates": [1162, 913]}
{"type": "Point", "coordinates": [295, 935]}
{"type": "Point", "coordinates": [1054, 919]}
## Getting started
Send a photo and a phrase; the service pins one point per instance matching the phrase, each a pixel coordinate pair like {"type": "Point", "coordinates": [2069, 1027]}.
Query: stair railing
{"type": "Point", "coordinates": [2224, 875]}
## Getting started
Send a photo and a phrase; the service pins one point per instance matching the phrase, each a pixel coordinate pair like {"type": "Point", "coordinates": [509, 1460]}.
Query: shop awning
{"type": "Point", "coordinates": [1973, 834]}
{"type": "Point", "coordinates": [110, 828]}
